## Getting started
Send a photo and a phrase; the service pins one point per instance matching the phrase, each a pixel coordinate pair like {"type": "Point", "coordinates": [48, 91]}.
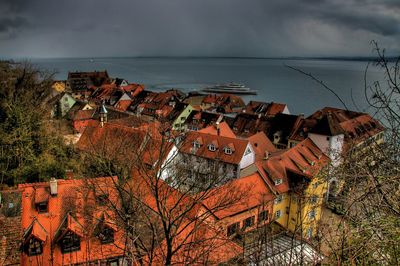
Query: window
{"type": "Point", "coordinates": [328, 138]}
{"type": "Point", "coordinates": [102, 199]}
{"type": "Point", "coordinates": [248, 222]}
{"type": "Point", "coordinates": [262, 216]}
{"type": "Point", "coordinates": [309, 232]}
{"type": "Point", "coordinates": [227, 150]}
{"type": "Point", "coordinates": [106, 235]}
{"type": "Point", "coordinates": [34, 247]}
{"type": "Point", "coordinates": [113, 262]}
{"type": "Point", "coordinates": [233, 228]}
{"type": "Point", "coordinates": [41, 207]}
{"type": "Point", "coordinates": [313, 199]}
{"type": "Point", "coordinates": [211, 147]}
{"type": "Point", "coordinates": [278, 214]}
{"type": "Point", "coordinates": [70, 242]}
{"type": "Point", "coordinates": [196, 145]}
{"type": "Point", "coordinates": [311, 214]}
{"type": "Point", "coordinates": [248, 151]}
{"type": "Point", "coordinates": [278, 181]}
{"type": "Point", "coordinates": [278, 199]}
{"type": "Point", "coordinates": [315, 185]}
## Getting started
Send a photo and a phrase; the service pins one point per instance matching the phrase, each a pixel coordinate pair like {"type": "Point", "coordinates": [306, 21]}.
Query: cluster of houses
{"type": "Point", "coordinates": [189, 141]}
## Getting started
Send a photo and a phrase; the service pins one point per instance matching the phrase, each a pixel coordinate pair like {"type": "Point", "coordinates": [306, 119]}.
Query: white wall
{"type": "Point", "coordinates": [286, 110]}
{"type": "Point", "coordinates": [247, 159]}
{"type": "Point", "coordinates": [168, 164]}
{"type": "Point", "coordinates": [332, 146]}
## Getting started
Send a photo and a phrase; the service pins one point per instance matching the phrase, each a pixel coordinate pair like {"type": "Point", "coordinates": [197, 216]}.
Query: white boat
{"type": "Point", "coordinates": [234, 88]}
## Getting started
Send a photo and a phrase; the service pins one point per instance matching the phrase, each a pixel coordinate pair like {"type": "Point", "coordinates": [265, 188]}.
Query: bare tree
{"type": "Point", "coordinates": [164, 219]}
{"type": "Point", "coordinates": [367, 228]}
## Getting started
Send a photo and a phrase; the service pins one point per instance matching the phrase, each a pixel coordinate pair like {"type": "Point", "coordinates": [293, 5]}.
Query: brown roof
{"type": "Point", "coordinates": [268, 109]}
{"type": "Point", "coordinates": [226, 102]}
{"type": "Point", "coordinates": [275, 108]}
{"type": "Point", "coordinates": [123, 105]}
{"type": "Point", "coordinates": [10, 227]}
{"type": "Point", "coordinates": [331, 121]}
{"type": "Point", "coordinates": [83, 114]}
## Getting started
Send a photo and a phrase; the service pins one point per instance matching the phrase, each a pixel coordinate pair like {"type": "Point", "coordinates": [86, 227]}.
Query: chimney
{"type": "Point", "coordinates": [218, 130]}
{"type": "Point", "coordinates": [266, 155]}
{"type": "Point", "coordinates": [53, 187]}
{"type": "Point", "coordinates": [103, 114]}
{"type": "Point", "coordinates": [69, 174]}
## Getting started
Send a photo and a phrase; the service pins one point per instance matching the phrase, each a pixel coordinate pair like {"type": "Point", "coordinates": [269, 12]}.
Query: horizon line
{"type": "Point", "coordinates": [339, 58]}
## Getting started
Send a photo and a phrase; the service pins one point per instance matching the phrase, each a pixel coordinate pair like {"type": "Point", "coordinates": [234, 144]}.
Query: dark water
{"type": "Point", "coordinates": [270, 77]}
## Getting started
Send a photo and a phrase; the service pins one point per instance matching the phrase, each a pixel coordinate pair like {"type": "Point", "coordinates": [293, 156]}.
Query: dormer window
{"type": "Point", "coordinates": [102, 199]}
{"type": "Point", "coordinates": [70, 242]}
{"type": "Point", "coordinates": [106, 235]}
{"type": "Point", "coordinates": [34, 247]}
{"type": "Point", "coordinates": [278, 199]}
{"type": "Point", "coordinates": [228, 150]}
{"type": "Point", "coordinates": [211, 147]}
{"type": "Point", "coordinates": [278, 181]}
{"type": "Point", "coordinates": [196, 145]}
{"type": "Point", "coordinates": [42, 207]}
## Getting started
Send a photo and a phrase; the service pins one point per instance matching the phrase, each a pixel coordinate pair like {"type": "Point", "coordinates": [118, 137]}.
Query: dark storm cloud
{"type": "Point", "coordinates": [197, 27]}
{"type": "Point", "coordinates": [8, 25]}
{"type": "Point", "coordinates": [372, 16]}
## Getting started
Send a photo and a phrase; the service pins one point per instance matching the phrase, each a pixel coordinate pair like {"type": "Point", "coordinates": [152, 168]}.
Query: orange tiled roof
{"type": "Point", "coordinates": [83, 114]}
{"type": "Point", "coordinates": [190, 230]}
{"type": "Point", "coordinates": [123, 105]}
{"type": "Point", "coordinates": [275, 108]}
{"type": "Point", "coordinates": [219, 141]}
{"type": "Point", "coordinates": [305, 159]}
{"type": "Point", "coordinates": [224, 130]}
{"type": "Point", "coordinates": [261, 144]}
{"type": "Point", "coordinates": [331, 121]}
{"type": "Point", "coordinates": [250, 191]}
{"type": "Point", "coordinates": [10, 240]}
{"type": "Point", "coordinates": [66, 212]}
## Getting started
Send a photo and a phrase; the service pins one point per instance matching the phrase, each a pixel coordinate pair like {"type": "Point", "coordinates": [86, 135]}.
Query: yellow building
{"type": "Point", "coordinates": [298, 179]}
{"type": "Point", "coordinates": [59, 86]}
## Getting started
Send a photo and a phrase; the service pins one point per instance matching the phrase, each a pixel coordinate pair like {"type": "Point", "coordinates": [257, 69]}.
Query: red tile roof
{"type": "Point", "coordinates": [83, 114]}
{"type": "Point", "coordinates": [116, 141]}
{"type": "Point", "coordinates": [228, 102]}
{"type": "Point", "coordinates": [305, 159]}
{"type": "Point", "coordinates": [194, 237]}
{"type": "Point", "coordinates": [219, 141]}
{"type": "Point", "coordinates": [268, 109]}
{"type": "Point", "coordinates": [10, 240]}
{"type": "Point", "coordinates": [123, 105]}
{"type": "Point", "coordinates": [330, 121]}
{"type": "Point", "coordinates": [261, 144]}
{"type": "Point", "coordinates": [224, 130]}
{"type": "Point", "coordinates": [66, 213]}
{"type": "Point", "coordinates": [275, 108]}
{"type": "Point", "coordinates": [247, 192]}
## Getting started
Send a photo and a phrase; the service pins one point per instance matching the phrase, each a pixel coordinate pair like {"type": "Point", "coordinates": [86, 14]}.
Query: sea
{"type": "Point", "coordinates": [272, 78]}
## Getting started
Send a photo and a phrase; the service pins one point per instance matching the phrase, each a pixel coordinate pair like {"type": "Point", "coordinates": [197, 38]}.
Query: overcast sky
{"type": "Point", "coordinates": [256, 28]}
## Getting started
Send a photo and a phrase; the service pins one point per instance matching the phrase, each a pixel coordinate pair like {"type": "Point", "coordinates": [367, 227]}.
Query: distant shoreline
{"type": "Point", "coordinates": [338, 58]}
